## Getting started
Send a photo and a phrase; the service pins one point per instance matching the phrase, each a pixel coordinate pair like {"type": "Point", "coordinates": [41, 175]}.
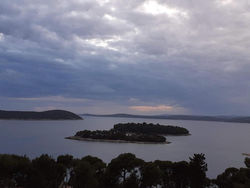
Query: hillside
{"type": "Point", "coordinates": [46, 115]}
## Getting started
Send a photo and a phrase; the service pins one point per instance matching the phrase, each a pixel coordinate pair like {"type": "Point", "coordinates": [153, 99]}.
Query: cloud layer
{"type": "Point", "coordinates": [105, 56]}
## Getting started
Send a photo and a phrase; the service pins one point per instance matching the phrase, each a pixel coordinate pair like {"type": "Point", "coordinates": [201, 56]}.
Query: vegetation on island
{"type": "Point", "coordinates": [117, 135]}
{"type": "Point", "coordinates": [133, 132]}
{"type": "Point", "coordinates": [46, 115]}
{"type": "Point", "coordinates": [124, 171]}
{"type": "Point", "coordinates": [150, 128]}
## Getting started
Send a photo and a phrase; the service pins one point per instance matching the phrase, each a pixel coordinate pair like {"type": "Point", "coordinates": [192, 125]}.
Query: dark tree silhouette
{"type": "Point", "coordinates": [198, 168]}
{"type": "Point", "coordinates": [151, 175]}
{"type": "Point", "coordinates": [45, 172]}
{"type": "Point", "coordinates": [83, 176]}
{"type": "Point", "coordinates": [120, 168]}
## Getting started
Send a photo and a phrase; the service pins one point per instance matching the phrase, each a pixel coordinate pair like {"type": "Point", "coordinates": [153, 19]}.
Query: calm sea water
{"type": "Point", "coordinates": [222, 143]}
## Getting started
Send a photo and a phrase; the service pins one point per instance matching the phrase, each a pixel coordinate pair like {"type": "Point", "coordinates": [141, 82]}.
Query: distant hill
{"type": "Point", "coordinates": [237, 119]}
{"type": "Point", "coordinates": [46, 115]}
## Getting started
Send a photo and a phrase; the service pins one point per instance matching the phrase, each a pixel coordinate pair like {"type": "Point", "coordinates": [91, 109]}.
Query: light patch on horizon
{"type": "Point", "coordinates": [155, 8]}
{"type": "Point", "coordinates": [152, 108]}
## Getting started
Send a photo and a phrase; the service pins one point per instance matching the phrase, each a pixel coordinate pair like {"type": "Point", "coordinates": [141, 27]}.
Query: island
{"type": "Point", "coordinates": [45, 115]}
{"type": "Point", "coordinates": [131, 132]}
{"type": "Point", "coordinates": [150, 128]}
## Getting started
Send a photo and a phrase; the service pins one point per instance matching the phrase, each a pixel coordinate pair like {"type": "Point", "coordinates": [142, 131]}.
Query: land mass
{"type": "Point", "coordinates": [236, 119]}
{"type": "Point", "coordinates": [46, 115]}
{"type": "Point", "coordinates": [131, 132]}
{"type": "Point", "coordinates": [150, 128]}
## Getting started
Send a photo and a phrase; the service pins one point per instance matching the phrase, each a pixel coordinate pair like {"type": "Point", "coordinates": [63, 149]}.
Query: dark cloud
{"type": "Point", "coordinates": [192, 56]}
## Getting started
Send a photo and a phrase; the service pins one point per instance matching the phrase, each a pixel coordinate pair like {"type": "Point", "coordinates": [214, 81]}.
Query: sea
{"type": "Point", "coordinates": [222, 143]}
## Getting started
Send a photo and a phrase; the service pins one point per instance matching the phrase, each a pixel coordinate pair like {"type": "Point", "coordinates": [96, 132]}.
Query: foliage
{"type": "Point", "coordinates": [150, 128]}
{"type": "Point", "coordinates": [121, 168]}
{"type": "Point", "coordinates": [134, 132]}
{"type": "Point", "coordinates": [235, 178]}
{"type": "Point", "coordinates": [14, 170]}
{"type": "Point", "coordinates": [198, 168]}
{"type": "Point", "coordinates": [124, 171]}
{"type": "Point", "coordinates": [117, 135]}
{"type": "Point", "coordinates": [83, 176]}
{"type": "Point", "coordinates": [45, 172]}
{"type": "Point", "coordinates": [151, 175]}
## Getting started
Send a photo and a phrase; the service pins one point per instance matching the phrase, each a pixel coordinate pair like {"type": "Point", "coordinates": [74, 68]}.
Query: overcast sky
{"type": "Point", "coordinates": [133, 56]}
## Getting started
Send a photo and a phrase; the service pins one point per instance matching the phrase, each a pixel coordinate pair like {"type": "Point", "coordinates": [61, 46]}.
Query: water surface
{"type": "Point", "coordinates": [222, 143]}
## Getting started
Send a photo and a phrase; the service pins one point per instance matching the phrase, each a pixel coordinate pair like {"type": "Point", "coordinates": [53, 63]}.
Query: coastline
{"type": "Point", "coordinates": [246, 154]}
{"type": "Point", "coordinates": [113, 141]}
{"type": "Point", "coordinates": [189, 134]}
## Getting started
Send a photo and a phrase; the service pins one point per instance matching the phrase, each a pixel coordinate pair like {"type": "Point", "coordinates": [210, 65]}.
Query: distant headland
{"type": "Point", "coordinates": [235, 119]}
{"type": "Point", "coordinates": [131, 132]}
{"type": "Point", "coordinates": [46, 115]}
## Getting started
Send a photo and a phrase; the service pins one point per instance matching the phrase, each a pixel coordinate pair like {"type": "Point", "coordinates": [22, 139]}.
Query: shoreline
{"type": "Point", "coordinates": [246, 154]}
{"type": "Point", "coordinates": [189, 134]}
{"type": "Point", "coordinates": [113, 141]}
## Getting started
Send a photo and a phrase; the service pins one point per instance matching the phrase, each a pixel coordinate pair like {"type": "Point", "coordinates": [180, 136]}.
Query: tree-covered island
{"type": "Point", "coordinates": [150, 128]}
{"type": "Point", "coordinates": [132, 132]}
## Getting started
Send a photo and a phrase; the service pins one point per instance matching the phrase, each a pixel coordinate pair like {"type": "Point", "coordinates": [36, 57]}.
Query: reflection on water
{"type": "Point", "coordinates": [223, 143]}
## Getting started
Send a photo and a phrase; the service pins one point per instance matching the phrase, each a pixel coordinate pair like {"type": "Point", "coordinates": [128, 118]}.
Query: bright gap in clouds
{"type": "Point", "coordinates": [1, 36]}
{"type": "Point", "coordinates": [153, 7]}
{"type": "Point", "coordinates": [152, 108]}
{"type": "Point", "coordinates": [98, 42]}
{"type": "Point", "coordinates": [225, 2]}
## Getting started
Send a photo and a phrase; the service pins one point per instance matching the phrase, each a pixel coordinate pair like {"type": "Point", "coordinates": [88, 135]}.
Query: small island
{"type": "Point", "coordinates": [131, 132]}
{"type": "Point", "coordinates": [46, 115]}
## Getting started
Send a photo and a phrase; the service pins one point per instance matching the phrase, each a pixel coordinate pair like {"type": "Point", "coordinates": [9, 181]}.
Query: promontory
{"type": "Point", "coordinates": [45, 115]}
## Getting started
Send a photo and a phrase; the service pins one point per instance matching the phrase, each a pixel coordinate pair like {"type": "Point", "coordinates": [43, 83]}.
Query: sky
{"type": "Point", "coordinates": [133, 56]}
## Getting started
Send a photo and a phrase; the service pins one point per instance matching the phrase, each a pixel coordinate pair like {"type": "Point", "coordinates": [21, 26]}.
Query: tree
{"type": "Point", "coordinates": [131, 182]}
{"type": "Point", "coordinates": [226, 179]}
{"type": "Point", "coordinates": [181, 174]}
{"type": "Point", "coordinates": [67, 162]}
{"type": "Point", "coordinates": [167, 172]}
{"type": "Point", "coordinates": [98, 166]}
{"type": "Point", "coordinates": [96, 163]}
{"type": "Point", "coordinates": [14, 170]}
{"type": "Point", "coordinates": [45, 172]}
{"type": "Point", "coordinates": [120, 168]}
{"type": "Point", "coordinates": [83, 176]}
{"type": "Point", "coordinates": [151, 175]}
{"type": "Point", "coordinates": [198, 168]}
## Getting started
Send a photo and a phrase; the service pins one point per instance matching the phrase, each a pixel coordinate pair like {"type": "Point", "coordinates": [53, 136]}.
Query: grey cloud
{"type": "Point", "coordinates": [112, 52]}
